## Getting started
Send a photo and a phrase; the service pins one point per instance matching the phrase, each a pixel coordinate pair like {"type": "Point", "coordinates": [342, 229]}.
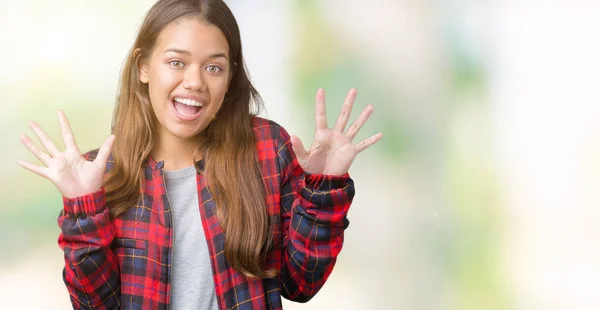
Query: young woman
{"type": "Point", "coordinates": [194, 202]}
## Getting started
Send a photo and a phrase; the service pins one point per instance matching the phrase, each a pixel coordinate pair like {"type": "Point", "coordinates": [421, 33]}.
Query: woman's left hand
{"type": "Point", "coordinates": [332, 151]}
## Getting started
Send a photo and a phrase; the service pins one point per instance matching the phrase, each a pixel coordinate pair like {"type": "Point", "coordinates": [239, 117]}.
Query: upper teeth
{"type": "Point", "coordinates": [191, 102]}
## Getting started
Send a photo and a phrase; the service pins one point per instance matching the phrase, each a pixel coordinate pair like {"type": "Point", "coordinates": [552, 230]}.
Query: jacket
{"type": "Point", "coordinates": [126, 262]}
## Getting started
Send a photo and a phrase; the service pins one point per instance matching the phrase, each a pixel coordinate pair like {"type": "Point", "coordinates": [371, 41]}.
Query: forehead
{"type": "Point", "coordinates": [194, 35]}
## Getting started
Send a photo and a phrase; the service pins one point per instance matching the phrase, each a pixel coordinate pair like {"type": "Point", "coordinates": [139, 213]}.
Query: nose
{"type": "Point", "coordinates": [193, 79]}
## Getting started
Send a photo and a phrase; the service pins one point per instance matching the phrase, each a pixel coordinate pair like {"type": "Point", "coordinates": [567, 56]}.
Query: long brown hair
{"type": "Point", "coordinates": [228, 144]}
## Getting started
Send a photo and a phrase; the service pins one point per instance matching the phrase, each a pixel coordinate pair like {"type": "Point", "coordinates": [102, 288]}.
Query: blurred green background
{"type": "Point", "coordinates": [483, 193]}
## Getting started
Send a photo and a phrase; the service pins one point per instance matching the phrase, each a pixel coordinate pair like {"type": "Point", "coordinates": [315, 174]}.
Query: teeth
{"type": "Point", "coordinates": [189, 102]}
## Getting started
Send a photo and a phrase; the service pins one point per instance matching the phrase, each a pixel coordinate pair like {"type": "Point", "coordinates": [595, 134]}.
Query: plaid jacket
{"type": "Point", "coordinates": [126, 263]}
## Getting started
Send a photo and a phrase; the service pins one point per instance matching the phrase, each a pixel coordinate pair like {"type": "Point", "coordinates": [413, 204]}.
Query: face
{"type": "Point", "coordinates": [187, 76]}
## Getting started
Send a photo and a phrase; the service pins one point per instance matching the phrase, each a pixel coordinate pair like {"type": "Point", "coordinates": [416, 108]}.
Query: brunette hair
{"type": "Point", "coordinates": [228, 144]}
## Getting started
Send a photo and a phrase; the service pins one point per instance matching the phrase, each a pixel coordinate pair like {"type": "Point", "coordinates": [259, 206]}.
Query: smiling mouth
{"type": "Point", "coordinates": [187, 107]}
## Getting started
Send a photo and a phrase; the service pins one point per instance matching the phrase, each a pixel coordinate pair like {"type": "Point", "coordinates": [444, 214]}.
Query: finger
{"type": "Point", "coordinates": [104, 152]}
{"type": "Point", "coordinates": [321, 113]}
{"type": "Point", "coordinates": [299, 150]}
{"type": "Point", "coordinates": [44, 138]}
{"type": "Point", "coordinates": [368, 142]}
{"type": "Point", "coordinates": [41, 171]}
{"type": "Point", "coordinates": [342, 120]}
{"type": "Point", "coordinates": [43, 157]}
{"type": "Point", "coordinates": [67, 133]}
{"type": "Point", "coordinates": [359, 122]}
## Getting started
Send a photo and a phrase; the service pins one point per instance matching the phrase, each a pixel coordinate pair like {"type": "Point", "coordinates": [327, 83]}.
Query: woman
{"type": "Point", "coordinates": [193, 202]}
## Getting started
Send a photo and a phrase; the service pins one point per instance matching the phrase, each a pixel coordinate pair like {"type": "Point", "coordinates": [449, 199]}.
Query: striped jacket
{"type": "Point", "coordinates": [126, 262]}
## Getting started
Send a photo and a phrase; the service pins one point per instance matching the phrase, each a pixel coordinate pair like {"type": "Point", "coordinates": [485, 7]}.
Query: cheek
{"type": "Point", "coordinates": [162, 82]}
{"type": "Point", "coordinates": [219, 89]}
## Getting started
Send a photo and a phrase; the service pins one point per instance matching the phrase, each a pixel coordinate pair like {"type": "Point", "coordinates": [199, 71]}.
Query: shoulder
{"type": "Point", "coordinates": [91, 156]}
{"type": "Point", "coordinates": [266, 129]}
{"type": "Point", "coordinates": [273, 142]}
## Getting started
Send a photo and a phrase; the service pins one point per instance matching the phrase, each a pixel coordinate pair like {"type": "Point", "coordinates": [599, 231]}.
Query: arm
{"type": "Point", "coordinates": [314, 209]}
{"type": "Point", "coordinates": [91, 271]}
{"type": "Point", "coordinates": [316, 194]}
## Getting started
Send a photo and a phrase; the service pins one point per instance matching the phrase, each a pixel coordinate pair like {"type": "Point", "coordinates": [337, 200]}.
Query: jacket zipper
{"type": "Point", "coordinates": [172, 233]}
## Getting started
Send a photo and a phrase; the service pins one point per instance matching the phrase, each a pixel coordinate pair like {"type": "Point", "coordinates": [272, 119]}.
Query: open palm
{"type": "Point", "coordinates": [332, 151]}
{"type": "Point", "coordinates": [70, 172]}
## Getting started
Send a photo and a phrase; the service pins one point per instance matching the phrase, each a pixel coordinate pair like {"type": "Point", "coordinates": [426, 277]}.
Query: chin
{"type": "Point", "coordinates": [186, 133]}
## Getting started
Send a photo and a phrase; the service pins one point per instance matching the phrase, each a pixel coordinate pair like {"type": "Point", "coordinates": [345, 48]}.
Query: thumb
{"type": "Point", "coordinates": [104, 152]}
{"type": "Point", "coordinates": [299, 149]}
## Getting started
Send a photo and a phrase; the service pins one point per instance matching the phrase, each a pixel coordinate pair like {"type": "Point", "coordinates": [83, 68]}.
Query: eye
{"type": "Point", "coordinates": [214, 69]}
{"type": "Point", "coordinates": [176, 63]}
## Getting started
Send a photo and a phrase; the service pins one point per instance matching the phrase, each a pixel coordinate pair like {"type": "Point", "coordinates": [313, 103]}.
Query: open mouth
{"type": "Point", "coordinates": [187, 107]}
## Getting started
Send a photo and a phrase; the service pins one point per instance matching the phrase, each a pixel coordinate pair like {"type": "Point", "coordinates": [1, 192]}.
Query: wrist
{"type": "Point", "coordinates": [85, 205]}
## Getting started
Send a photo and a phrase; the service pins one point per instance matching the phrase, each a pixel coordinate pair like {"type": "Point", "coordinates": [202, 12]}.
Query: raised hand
{"type": "Point", "coordinates": [70, 172]}
{"type": "Point", "coordinates": [332, 151]}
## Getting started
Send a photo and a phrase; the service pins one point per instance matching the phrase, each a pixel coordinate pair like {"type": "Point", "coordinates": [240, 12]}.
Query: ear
{"type": "Point", "coordinates": [143, 66]}
{"type": "Point", "coordinates": [144, 73]}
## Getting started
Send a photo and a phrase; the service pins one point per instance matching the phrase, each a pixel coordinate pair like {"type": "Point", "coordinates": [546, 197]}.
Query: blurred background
{"type": "Point", "coordinates": [483, 194]}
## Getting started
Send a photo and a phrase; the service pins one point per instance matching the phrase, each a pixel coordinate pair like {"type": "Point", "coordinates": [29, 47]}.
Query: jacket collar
{"type": "Point", "coordinates": [154, 165]}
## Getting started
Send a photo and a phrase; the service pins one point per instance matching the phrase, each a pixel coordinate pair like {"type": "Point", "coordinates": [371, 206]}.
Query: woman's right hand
{"type": "Point", "coordinates": [70, 172]}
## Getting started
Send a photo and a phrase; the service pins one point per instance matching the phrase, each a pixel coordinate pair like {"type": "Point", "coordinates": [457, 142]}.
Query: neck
{"type": "Point", "coordinates": [175, 152]}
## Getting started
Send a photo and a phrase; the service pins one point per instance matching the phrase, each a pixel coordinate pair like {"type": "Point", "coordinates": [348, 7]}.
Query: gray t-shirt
{"type": "Point", "coordinates": [192, 285]}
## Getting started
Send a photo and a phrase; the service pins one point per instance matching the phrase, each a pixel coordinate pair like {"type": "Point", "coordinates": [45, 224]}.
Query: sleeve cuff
{"type": "Point", "coordinates": [326, 198]}
{"type": "Point", "coordinates": [321, 182]}
{"type": "Point", "coordinates": [87, 205]}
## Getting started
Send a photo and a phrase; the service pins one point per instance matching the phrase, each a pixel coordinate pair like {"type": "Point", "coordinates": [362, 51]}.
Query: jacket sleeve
{"type": "Point", "coordinates": [91, 271]}
{"type": "Point", "coordinates": [314, 209]}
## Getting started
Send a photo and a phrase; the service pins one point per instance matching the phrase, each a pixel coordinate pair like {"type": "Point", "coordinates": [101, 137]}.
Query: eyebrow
{"type": "Point", "coordinates": [180, 51]}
